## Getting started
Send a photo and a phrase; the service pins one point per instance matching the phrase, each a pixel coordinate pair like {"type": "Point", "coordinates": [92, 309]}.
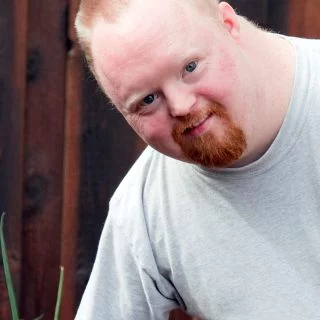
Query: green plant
{"type": "Point", "coordinates": [7, 274]}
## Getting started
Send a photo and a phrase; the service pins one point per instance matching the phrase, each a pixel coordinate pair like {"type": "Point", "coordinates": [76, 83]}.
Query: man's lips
{"type": "Point", "coordinates": [197, 127]}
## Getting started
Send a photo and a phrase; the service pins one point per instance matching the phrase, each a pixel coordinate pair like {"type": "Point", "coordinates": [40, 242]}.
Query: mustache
{"type": "Point", "coordinates": [191, 120]}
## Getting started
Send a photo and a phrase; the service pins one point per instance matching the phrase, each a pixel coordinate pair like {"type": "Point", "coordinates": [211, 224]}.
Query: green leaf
{"type": "Point", "coordinates": [59, 295]}
{"type": "Point", "coordinates": [12, 299]}
{"type": "Point", "coordinates": [40, 317]}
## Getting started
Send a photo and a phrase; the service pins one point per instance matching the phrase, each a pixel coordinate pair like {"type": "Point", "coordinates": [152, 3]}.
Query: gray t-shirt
{"type": "Point", "coordinates": [231, 244]}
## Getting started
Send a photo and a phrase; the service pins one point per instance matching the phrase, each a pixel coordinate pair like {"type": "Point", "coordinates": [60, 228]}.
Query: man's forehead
{"type": "Point", "coordinates": [134, 35]}
{"type": "Point", "coordinates": [142, 35]}
{"type": "Point", "coordinates": [144, 24]}
{"type": "Point", "coordinates": [139, 14]}
{"type": "Point", "coordinates": [143, 17]}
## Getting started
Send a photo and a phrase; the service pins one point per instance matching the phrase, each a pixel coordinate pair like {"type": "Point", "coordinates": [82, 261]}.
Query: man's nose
{"type": "Point", "coordinates": [180, 100]}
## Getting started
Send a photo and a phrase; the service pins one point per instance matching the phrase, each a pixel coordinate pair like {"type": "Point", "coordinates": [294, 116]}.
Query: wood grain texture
{"type": "Point", "coordinates": [44, 147]}
{"type": "Point", "coordinates": [13, 24]}
{"type": "Point", "coordinates": [71, 178]}
{"type": "Point", "coordinates": [303, 18]}
{"type": "Point", "coordinates": [255, 10]}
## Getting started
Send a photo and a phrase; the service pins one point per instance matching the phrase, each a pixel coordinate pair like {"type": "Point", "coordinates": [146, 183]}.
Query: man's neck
{"type": "Point", "coordinates": [273, 59]}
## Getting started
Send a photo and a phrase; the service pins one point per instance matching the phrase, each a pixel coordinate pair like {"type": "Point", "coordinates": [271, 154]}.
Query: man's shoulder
{"type": "Point", "coordinates": [306, 43]}
{"type": "Point", "coordinates": [143, 189]}
{"type": "Point", "coordinates": [144, 173]}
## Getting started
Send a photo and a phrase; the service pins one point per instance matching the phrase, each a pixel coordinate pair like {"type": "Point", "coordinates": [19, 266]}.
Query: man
{"type": "Point", "coordinates": [220, 215]}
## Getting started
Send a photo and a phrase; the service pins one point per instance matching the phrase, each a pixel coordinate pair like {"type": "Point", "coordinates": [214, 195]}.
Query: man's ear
{"type": "Point", "coordinates": [229, 18]}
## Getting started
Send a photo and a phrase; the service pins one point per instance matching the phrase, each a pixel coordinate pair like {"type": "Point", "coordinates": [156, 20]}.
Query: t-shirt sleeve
{"type": "Point", "coordinates": [125, 284]}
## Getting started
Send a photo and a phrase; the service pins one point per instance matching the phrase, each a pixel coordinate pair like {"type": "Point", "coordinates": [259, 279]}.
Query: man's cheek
{"type": "Point", "coordinates": [156, 131]}
{"type": "Point", "coordinates": [151, 128]}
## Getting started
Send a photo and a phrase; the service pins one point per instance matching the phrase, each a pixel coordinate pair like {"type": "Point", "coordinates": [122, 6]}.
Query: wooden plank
{"type": "Point", "coordinates": [71, 168]}
{"type": "Point", "coordinates": [304, 18]}
{"type": "Point", "coordinates": [13, 21]}
{"type": "Point", "coordinates": [43, 157]}
{"type": "Point", "coordinates": [277, 15]}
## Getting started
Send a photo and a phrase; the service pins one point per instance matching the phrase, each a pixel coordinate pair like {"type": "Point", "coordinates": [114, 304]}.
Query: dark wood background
{"type": "Point", "coordinates": [63, 149]}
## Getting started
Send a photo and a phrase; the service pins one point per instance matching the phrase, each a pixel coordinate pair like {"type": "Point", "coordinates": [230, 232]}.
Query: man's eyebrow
{"type": "Point", "coordinates": [131, 100]}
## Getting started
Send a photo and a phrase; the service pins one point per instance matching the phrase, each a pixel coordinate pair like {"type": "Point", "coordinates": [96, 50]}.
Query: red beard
{"type": "Point", "coordinates": [207, 149]}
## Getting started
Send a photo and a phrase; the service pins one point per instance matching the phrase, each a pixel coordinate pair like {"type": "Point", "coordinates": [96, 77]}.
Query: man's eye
{"type": "Point", "coordinates": [149, 99]}
{"type": "Point", "coordinates": [190, 67]}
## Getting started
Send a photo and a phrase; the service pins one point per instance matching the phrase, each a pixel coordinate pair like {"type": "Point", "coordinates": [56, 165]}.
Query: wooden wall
{"type": "Point", "coordinates": [12, 105]}
{"type": "Point", "coordinates": [63, 149]}
{"type": "Point", "coordinates": [40, 77]}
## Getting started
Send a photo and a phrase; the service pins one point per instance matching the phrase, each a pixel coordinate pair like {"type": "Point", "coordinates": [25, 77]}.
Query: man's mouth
{"type": "Point", "coordinates": [196, 128]}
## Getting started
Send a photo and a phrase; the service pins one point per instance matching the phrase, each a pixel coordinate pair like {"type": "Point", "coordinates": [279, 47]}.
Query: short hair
{"type": "Point", "coordinates": [110, 10]}
{"type": "Point", "coordinates": [88, 12]}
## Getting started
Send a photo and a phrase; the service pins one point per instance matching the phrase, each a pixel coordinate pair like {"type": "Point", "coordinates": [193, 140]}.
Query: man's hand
{"type": "Point", "coordinates": [179, 314]}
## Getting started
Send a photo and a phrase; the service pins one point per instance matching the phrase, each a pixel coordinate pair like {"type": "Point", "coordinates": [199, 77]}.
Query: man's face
{"type": "Point", "coordinates": [179, 80]}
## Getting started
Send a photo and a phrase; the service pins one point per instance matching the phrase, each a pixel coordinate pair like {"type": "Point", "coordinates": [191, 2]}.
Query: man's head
{"type": "Point", "coordinates": [177, 72]}
{"type": "Point", "coordinates": [110, 11]}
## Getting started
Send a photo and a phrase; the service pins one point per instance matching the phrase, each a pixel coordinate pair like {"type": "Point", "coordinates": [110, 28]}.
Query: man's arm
{"type": "Point", "coordinates": [123, 287]}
